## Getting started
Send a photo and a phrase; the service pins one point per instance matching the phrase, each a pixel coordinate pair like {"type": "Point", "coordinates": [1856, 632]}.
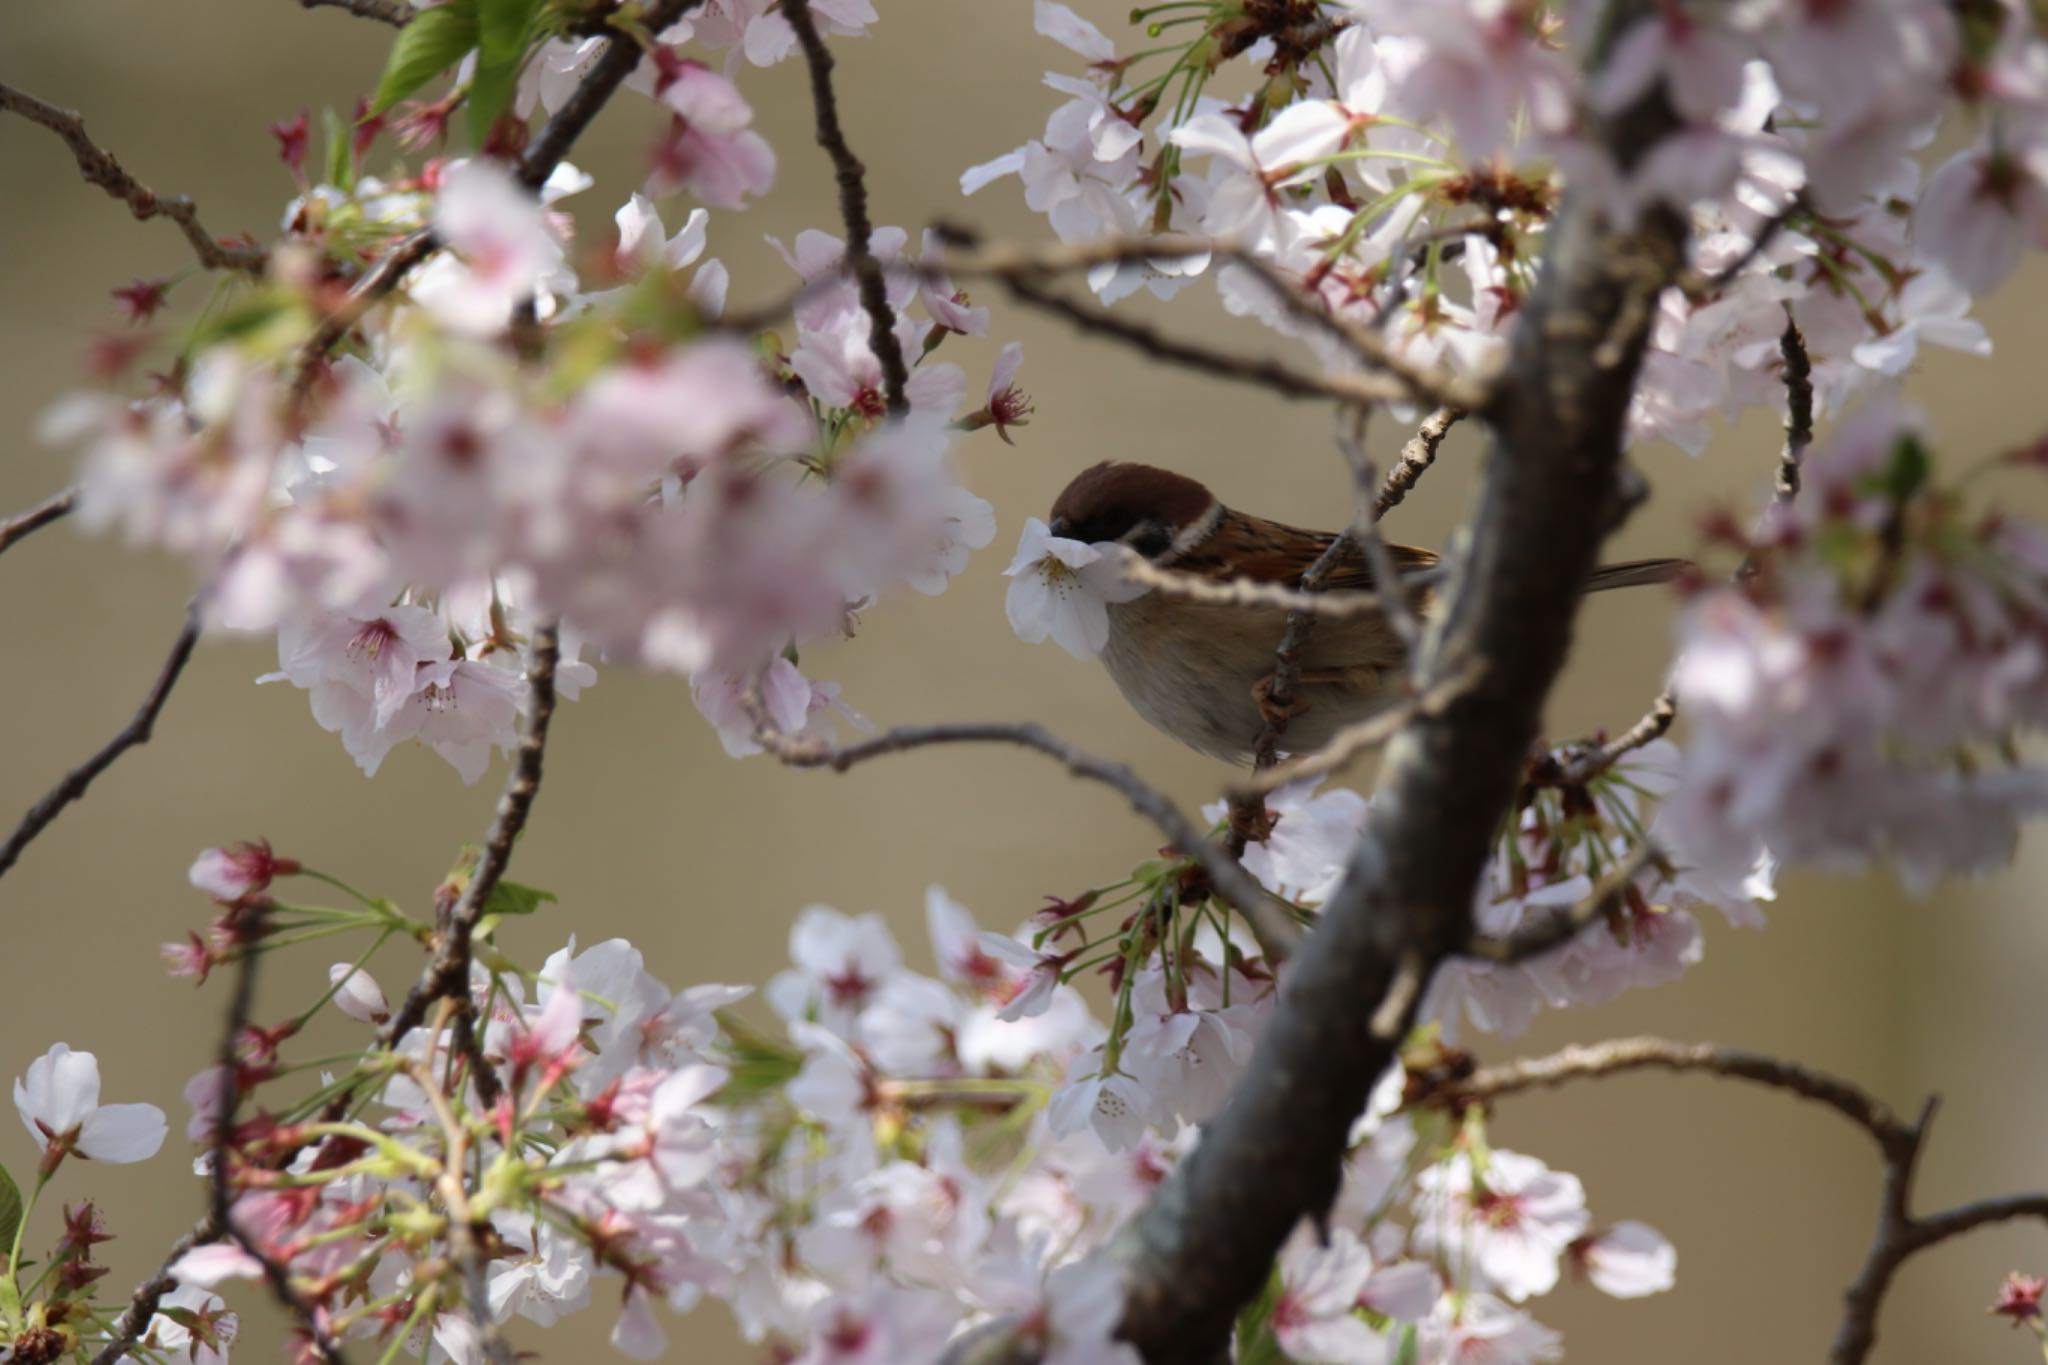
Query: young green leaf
{"type": "Point", "coordinates": [510, 898]}
{"type": "Point", "coordinates": [341, 159]}
{"type": "Point", "coordinates": [435, 40]}
{"type": "Point", "coordinates": [504, 27]}
{"type": "Point", "coordinates": [10, 1208]}
{"type": "Point", "coordinates": [490, 94]}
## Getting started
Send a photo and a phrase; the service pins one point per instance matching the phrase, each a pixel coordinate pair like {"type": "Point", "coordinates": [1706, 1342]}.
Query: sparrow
{"type": "Point", "coordinates": [1200, 671]}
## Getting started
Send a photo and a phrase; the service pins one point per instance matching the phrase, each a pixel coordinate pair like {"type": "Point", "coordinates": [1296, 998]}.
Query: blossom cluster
{"type": "Point", "coordinates": [530, 431]}
{"type": "Point", "coordinates": [1858, 692]}
{"type": "Point", "coordinates": [1402, 162]}
{"type": "Point", "coordinates": [900, 1157]}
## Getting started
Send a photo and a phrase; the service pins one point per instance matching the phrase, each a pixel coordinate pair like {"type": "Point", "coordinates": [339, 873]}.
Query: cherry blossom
{"type": "Point", "coordinates": [59, 1104]}
{"type": "Point", "coordinates": [1063, 589]}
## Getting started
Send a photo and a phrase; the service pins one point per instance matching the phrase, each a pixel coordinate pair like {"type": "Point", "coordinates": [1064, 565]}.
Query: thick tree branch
{"type": "Point", "coordinates": [99, 167]}
{"type": "Point", "coordinates": [447, 975]}
{"type": "Point", "coordinates": [1205, 1243]}
{"type": "Point", "coordinates": [1275, 929]}
{"type": "Point", "coordinates": [37, 517]}
{"type": "Point", "coordinates": [136, 731]}
{"type": "Point", "coordinates": [1416, 458]}
{"type": "Point", "coordinates": [853, 209]}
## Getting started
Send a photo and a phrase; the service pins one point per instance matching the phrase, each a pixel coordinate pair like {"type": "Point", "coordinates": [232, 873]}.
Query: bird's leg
{"type": "Point", "coordinates": [1252, 822]}
{"type": "Point", "coordinates": [1275, 713]}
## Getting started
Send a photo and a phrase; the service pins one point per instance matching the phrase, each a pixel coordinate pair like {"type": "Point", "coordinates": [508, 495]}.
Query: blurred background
{"type": "Point", "coordinates": [645, 829]}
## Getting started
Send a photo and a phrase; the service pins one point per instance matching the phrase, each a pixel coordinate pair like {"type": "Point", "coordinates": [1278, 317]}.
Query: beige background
{"type": "Point", "coordinates": [646, 830]}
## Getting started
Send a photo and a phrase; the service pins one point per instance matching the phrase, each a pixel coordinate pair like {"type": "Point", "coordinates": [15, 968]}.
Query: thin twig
{"type": "Point", "coordinates": [620, 58]}
{"type": "Point", "coordinates": [1618, 1055]}
{"type": "Point", "coordinates": [136, 731]}
{"type": "Point", "coordinates": [607, 73]}
{"type": "Point", "coordinates": [1561, 926]}
{"type": "Point", "coordinates": [1416, 458]}
{"type": "Point", "coordinates": [1248, 819]}
{"type": "Point", "coordinates": [37, 517]}
{"type": "Point", "coordinates": [227, 1060]}
{"type": "Point", "coordinates": [1276, 931]}
{"type": "Point", "coordinates": [100, 167]}
{"type": "Point", "coordinates": [1269, 375]}
{"type": "Point", "coordinates": [1798, 377]}
{"type": "Point", "coordinates": [1585, 765]}
{"type": "Point", "coordinates": [853, 209]}
{"type": "Point", "coordinates": [1245, 592]}
{"type": "Point", "coordinates": [128, 1329]}
{"type": "Point", "coordinates": [447, 975]}
{"type": "Point", "coordinates": [1010, 262]}
{"type": "Point", "coordinates": [1900, 1233]}
{"type": "Point", "coordinates": [1356, 738]}
{"type": "Point", "coordinates": [1365, 531]}
{"type": "Point", "coordinates": [390, 12]}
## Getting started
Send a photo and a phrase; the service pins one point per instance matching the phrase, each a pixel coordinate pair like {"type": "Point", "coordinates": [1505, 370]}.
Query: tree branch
{"type": "Point", "coordinates": [136, 731]}
{"type": "Point", "coordinates": [620, 58]}
{"type": "Point", "coordinates": [220, 1182]}
{"type": "Point", "coordinates": [1270, 375]}
{"type": "Point", "coordinates": [1798, 376]}
{"type": "Point", "coordinates": [1246, 592]}
{"type": "Point", "coordinates": [1416, 458]}
{"type": "Point", "coordinates": [1561, 926]}
{"type": "Point", "coordinates": [392, 12]}
{"type": "Point", "coordinates": [1010, 262]}
{"type": "Point", "coordinates": [1353, 740]}
{"type": "Point", "coordinates": [447, 975]}
{"type": "Point", "coordinates": [37, 517]}
{"type": "Point", "coordinates": [853, 209]}
{"type": "Point", "coordinates": [1900, 1233]}
{"type": "Point", "coordinates": [142, 1305]}
{"type": "Point", "coordinates": [1274, 928]}
{"type": "Point", "coordinates": [1205, 1242]}
{"type": "Point", "coordinates": [1619, 1055]}
{"type": "Point", "coordinates": [99, 167]}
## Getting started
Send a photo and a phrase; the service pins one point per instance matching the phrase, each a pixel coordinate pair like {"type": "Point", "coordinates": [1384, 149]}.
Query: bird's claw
{"type": "Point", "coordinates": [1275, 713]}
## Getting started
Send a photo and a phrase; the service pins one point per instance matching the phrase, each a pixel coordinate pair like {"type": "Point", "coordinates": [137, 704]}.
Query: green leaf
{"type": "Point", "coordinates": [503, 27]}
{"type": "Point", "coordinates": [1906, 473]}
{"type": "Point", "coordinates": [510, 898]}
{"type": "Point", "coordinates": [1256, 1344]}
{"type": "Point", "coordinates": [1405, 1351]}
{"type": "Point", "coordinates": [435, 40]}
{"type": "Point", "coordinates": [341, 157]}
{"type": "Point", "coordinates": [490, 93]}
{"type": "Point", "coordinates": [10, 1208]}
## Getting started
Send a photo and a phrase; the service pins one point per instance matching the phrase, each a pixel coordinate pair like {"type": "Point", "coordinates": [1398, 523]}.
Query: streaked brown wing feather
{"type": "Point", "coordinates": [1267, 552]}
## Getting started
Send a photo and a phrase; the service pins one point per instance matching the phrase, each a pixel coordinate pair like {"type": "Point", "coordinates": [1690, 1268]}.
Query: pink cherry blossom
{"type": "Point", "coordinates": [59, 1103]}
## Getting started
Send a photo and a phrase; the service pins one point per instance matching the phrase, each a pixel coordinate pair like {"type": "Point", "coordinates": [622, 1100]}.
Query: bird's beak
{"type": "Point", "coordinates": [1062, 528]}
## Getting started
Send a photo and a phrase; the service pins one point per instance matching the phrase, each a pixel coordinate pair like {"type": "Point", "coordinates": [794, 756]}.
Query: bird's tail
{"type": "Point", "coordinates": [1635, 573]}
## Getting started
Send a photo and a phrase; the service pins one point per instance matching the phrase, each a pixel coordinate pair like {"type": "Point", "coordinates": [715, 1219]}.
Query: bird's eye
{"type": "Point", "coordinates": [1149, 538]}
